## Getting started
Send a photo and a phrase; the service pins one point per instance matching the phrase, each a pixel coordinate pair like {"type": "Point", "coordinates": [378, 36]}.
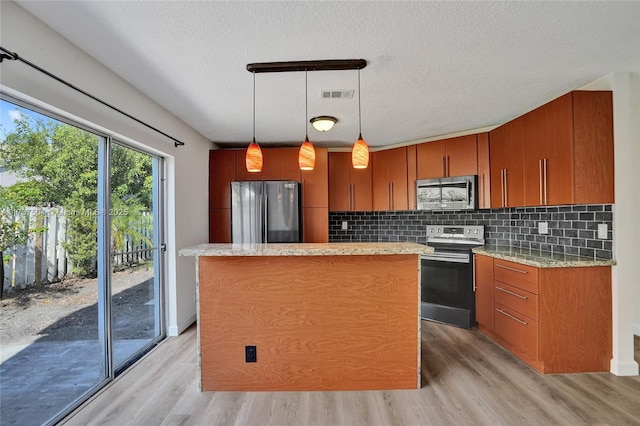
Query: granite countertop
{"type": "Point", "coordinates": [540, 259]}
{"type": "Point", "coordinates": [305, 249]}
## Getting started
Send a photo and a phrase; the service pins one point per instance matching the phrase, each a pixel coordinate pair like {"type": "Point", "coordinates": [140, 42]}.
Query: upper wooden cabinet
{"type": "Point", "coordinates": [389, 171]}
{"type": "Point", "coordinates": [277, 164]}
{"type": "Point", "coordinates": [484, 172]}
{"type": "Point", "coordinates": [315, 183]}
{"type": "Point", "coordinates": [447, 157]}
{"type": "Point", "coordinates": [349, 188]}
{"type": "Point", "coordinates": [222, 171]}
{"type": "Point", "coordinates": [559, 153]}
{"type": "Point", "coordinates": [505, 152]}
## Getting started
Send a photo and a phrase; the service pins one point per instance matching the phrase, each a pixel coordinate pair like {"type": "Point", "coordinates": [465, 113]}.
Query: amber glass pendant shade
{"type": "Point", "coordinates": [360, 154]}
{"type": "Point", "coordinates": [307, 155]}
{"type": "Point", "coordinates": [253, 158]}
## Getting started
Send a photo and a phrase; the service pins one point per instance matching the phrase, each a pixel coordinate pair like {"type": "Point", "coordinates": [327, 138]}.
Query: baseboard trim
{"type": "Point", "coordinates": [624, 368]}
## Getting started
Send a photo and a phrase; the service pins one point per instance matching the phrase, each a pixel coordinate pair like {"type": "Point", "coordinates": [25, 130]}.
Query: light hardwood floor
{"type": "Point", "coordinates": [467, 380]}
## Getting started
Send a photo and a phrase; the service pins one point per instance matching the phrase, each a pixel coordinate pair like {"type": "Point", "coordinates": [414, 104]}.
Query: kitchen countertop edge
{"type": "Point", "coordinates": [540, 259]}
{"type": "Point", "coordinates": [305, 249]}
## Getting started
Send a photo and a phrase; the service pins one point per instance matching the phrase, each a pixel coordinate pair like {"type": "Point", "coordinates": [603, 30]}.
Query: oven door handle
{"type": "Point", "coordinates": [447, 257]}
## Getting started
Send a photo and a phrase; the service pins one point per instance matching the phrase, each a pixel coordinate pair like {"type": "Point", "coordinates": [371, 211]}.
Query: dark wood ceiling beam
{"type": "Point", "coordinates": [324, 65]}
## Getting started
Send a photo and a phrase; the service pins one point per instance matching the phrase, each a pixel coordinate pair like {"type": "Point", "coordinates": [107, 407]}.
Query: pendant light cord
{"type": "Point", "coordinates": [359, 109]}
{"type": "Point", "coordinates": [306, 106]}
{"type": "Point", "coordinates": [254, 107]}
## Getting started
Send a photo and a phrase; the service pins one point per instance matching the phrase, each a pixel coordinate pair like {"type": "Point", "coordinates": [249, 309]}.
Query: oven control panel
{"type": "Point", "coordinates": [455, 232]}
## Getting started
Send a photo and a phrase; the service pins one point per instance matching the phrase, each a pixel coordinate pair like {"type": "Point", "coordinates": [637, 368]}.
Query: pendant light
{"type": "Point", "coordinates": [360, 150]}
{"type": "Point", "coordinates": [307, 154]}
{"type": "Point", "coordinates": [253, 158]}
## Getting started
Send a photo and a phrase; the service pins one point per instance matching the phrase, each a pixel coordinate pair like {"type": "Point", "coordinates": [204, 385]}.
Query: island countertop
{"type": "Point", "coordinates": [306, 249]}
{"type": "Point", "coordinates": [540, 259]}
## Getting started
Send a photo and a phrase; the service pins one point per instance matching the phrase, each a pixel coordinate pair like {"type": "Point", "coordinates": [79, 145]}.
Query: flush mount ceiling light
{"type": "Point", "coordinates": [253, 157]}
{"type": "Point", "coordinates": [360, 151]}
{"type": "Point", "coordinates": [323, 123]}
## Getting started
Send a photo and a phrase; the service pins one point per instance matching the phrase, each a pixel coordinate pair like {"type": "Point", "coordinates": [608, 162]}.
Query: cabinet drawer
{"type": "Point", "coordinates": [518, 331]}
{"type": "Point", "coordinates": [516, 274]}
{"type": "Point", "coordinates": [517, 299]}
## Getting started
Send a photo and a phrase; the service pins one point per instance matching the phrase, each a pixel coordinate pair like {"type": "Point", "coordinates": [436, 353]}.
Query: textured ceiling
{"type": "Point", "coordinates": [434, 68]}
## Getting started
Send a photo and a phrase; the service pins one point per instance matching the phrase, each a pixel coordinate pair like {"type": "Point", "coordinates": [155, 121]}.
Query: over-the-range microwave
{"type": "Point", "coordinates": [449, 193]}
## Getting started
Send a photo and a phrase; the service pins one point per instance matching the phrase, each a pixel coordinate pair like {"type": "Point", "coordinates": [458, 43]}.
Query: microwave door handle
{"type": "Point", "coordinates": [469, 200]}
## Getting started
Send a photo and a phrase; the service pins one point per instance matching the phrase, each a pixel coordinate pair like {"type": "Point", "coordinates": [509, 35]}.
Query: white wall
{"type": "Point", "coordinates": [626, 227]}
{"type": "Point", "coordinates": [187, 166]}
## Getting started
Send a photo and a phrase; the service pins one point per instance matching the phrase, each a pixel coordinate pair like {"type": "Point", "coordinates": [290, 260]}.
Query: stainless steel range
{"type": "Point", "coordinates": [448, 294]}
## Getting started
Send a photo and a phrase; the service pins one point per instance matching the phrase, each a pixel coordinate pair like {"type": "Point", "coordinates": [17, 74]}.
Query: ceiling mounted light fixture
{"type": "Point", "coordinates": [360, 150]}
{"type": "Point", "coordinates": [307, 154]}
{"type": "Point", "coordinates": [323, 123]}
{"type": "Point", "coordinates": [253, 157]}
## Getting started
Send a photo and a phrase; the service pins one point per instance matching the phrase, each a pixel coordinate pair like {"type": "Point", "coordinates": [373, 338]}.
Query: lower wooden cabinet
{"type": "Point", "coordinates": [557, 320]}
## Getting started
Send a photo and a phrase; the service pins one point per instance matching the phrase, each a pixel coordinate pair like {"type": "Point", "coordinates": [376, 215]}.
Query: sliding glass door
{"type": "Point", "coordinates": [134, 252]}
{"type": "Point", "coordinates": [81, 221]}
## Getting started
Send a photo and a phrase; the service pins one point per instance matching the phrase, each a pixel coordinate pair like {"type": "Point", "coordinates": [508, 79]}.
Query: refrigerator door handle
{"type": "Point", "coordinates": [266, 219]}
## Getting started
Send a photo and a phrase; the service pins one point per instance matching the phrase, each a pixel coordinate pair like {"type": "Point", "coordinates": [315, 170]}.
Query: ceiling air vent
{"type": "Point", "coordinates": [337, 94]}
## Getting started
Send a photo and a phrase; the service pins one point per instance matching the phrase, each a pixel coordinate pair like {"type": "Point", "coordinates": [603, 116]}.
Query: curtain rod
{"type": "Point", "coordinates": [7, 54]}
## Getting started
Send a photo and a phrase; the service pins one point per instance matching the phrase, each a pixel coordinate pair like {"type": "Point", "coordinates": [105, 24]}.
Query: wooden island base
{"type": "Point", "coordinates": [330, 322]}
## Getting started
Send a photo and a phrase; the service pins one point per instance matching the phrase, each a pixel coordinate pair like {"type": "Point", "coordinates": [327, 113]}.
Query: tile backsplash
{"type": "Point", "coordinates": [572, 229]}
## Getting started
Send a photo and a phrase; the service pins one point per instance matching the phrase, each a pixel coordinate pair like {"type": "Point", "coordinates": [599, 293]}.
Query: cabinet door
{"type": "Point", "coordinates": [340, 181]}
{"type": "Point", "coordinates": [461, 156]}
{"type": "Point", "coordinates": [315, 224]}
{"type": "Point", "coordinates": [361, 193]}
{"type": "Point", "coordinates": [593, 147]}
{"type": "Point", "coordinates": [398, 178]}
{"type": "Point", "coordinates": [380, 180]}
{"type": "Point", "coordinates": [558, 167]}
{"type": "Point", "coordinates": [277, 164]}
{"type": "Point", "coordinates": [534, 143]}
{"type": "Point", "coordinates": [484, 172]}
{"type": "Point", "coordinates": [222, 171]}
{"type": "Point", "coordinates": [431, 161]}
{"type": "Point", "coordinates": [484, 292]}
{"type": "Point", "coordinates": [514, 186]}
{"type": "Point", "coordinates": [497, 154]}
{"type": "Point", "coordinates": [315, 183]}
{"type": "Point", "coordinates": [219, 225]}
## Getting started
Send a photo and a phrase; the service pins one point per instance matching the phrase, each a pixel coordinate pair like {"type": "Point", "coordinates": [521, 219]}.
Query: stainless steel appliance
{"type": "Point", "coordinates": [450, 193]}
{"type": "Point", "coordinates": [265, 212]}
{"type": "Point", "coordinates": [447, 290]}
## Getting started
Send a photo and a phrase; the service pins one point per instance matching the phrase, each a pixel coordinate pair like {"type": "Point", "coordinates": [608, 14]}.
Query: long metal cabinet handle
{"type": "Point", "coordinates": [389, 195]}
{"type": "Point", "coordinates": [506, 188]}
{"type": "Point", "coordinates": [501, 188]}
{"type": "Point", "coordinates": [511, 269]}
{"type": "Point", "coordinates": [448, 166]}
{"type": "Point", "coordinates": [512, 317]}
{"type": "Point", "coordinates": [392, 198]}
{"type": "Point", "coordinates": [353, 196]}
{"type": "Point", "coordinates": [540, 180]}
{"type": "Point", "coordinates": [444, 166]}
{"type": "Point", "coordinates": [544, 170]}
{"type": "Point", "coordinates": [512, 293]}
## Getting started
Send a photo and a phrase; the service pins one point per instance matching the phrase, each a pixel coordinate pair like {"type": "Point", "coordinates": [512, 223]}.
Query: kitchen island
{"type": "Point", "coordinates": [327, 316]}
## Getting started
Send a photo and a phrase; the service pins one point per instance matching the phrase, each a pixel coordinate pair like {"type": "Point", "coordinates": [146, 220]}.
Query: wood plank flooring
{"type": "Point", "coordinates": [467, 380]}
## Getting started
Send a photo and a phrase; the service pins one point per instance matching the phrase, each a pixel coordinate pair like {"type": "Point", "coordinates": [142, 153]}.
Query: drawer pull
{"type": "Point", "coordinates": [512, 317]}
{"type": "Point", "coordinates": [511, 269]}
{"type": "Point", "coordinates": [512, 293]}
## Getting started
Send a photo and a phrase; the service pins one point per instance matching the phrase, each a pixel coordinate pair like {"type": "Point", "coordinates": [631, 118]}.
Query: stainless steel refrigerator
{"type": "Point", "coordinates": [265, 212]}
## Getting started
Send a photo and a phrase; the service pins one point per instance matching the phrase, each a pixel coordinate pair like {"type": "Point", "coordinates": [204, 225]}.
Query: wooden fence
{"type": "Point", "coordinates": [43, 258]}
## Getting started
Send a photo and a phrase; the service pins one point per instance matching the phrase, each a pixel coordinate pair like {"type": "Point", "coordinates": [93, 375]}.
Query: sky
{"type": "Point", "coordinates": [9, 112]}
